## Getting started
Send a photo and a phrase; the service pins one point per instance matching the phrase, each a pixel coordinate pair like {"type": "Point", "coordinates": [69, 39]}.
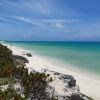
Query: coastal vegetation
{"type": "Point", "coordinates": [17, 83]}
{"type": "Point", "coordinates": [5, 81]}
{"type": "Point", "coordinates": [33, 84]}
{"type": "Point", "coordinates": [7, 67]}
{"type": "Point", "coordinates": [10, 94]}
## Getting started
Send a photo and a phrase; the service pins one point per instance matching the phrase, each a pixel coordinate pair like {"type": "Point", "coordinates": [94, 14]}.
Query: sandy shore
{"type": "Point", "coordinates": [88, 85]}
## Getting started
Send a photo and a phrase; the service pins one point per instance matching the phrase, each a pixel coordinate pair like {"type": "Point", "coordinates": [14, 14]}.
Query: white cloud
{"type": "Point", "coordinates": [23, 19]}
{"type": "Point", "coordinates": [43, 23]}
{"type": "Point", "coordinates": [28, 20]}
{"type": "Point", "coordinates": [61, 20]}
{"type": "Point", "coordinates": [57, 25]}
{"type": "Point", "coordinates": [6, 19]}
{"type": "Point", "coordinates": [56, 22]}
{"type": "Point", "coordinates": [1, 18]}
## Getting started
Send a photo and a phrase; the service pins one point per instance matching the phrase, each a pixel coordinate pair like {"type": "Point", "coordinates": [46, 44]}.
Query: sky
{"type": "Point", "coordinates": [50, 20]}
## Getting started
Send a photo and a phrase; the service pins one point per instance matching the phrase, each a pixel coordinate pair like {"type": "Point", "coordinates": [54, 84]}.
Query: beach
{"type": "Point", "coordinates": [89, 86]}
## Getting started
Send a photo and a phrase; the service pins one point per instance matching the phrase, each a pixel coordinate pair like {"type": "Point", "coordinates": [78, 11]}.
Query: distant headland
{"type": "Point", "coordinates": [3, 40]}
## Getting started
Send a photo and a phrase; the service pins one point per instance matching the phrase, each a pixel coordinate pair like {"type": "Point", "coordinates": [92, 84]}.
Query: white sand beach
{"type": "Point", "coordinates": [88, 85]}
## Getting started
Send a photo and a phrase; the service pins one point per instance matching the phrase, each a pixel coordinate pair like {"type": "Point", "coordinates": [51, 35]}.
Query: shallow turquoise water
{"type": "Point", "coordinates": [84, 55]}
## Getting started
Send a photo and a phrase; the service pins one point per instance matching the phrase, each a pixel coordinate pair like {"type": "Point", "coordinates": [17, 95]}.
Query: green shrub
{"type": "Point", "coordinates": [34, 83]}
{"type": "Point", "coordinates": [10, 94]}
{"type": "Point", "coordinates": [7, 67]}
{"type": "Point", "coordinates": [4, 81]}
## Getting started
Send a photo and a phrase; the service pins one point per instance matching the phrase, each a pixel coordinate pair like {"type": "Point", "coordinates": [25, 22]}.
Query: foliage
{"type": "Point", "coordinates": [7, 68]}
{"type": "Point", "coordinates": [4, 81]}
{"type": "Point", "coordinates": [10, 94]}
{"type": "Point", "coordinates": [34, 83]}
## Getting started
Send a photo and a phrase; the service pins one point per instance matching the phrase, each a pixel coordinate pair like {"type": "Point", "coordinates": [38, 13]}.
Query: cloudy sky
{"type": "Point", "coordinates": [50, 20]}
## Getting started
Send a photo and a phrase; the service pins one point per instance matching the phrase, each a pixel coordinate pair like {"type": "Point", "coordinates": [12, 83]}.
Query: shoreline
{"type": "Point", "coordinates": [70, 67]}
{"type": "Point", "coordinates": [58, 64]}
{"type": "Point", "coordinates": [88, 85]}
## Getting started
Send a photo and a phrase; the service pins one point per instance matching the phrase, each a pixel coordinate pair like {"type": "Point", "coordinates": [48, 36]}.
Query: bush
{"type": "Point", "coordinates": [5, 81]}
{"type": "Point", "coordinates": [7, 67]}
{"type": "Point", "coordinates": [10, 94]}
{"type": "Point", "coordinates": [35, 84]}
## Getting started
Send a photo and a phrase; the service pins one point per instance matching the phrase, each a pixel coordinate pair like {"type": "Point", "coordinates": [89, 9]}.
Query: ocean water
{"type": "Point", "coordinates": [81, 55]}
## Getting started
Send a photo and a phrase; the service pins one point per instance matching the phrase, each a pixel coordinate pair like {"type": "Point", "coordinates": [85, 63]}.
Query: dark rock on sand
{"type": "Point", "coordinates": [68, 79]}
{"type": "Point", "coordinates": [20, 58]}
{"type": "Point", "coordinates": [64, 76]}
{"type": "Point", "coordinates": [75, 97]}
{"type": "Point", "coordinates": [56, 73]}
{"type": "Point", "coordinates": [72, 82]}
{"type": "Point", "coordinates": [27, 54]}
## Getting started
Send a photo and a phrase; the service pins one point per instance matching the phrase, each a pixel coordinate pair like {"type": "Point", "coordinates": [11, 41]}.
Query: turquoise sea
{"type": "Point", "coordinates": [82, 55]}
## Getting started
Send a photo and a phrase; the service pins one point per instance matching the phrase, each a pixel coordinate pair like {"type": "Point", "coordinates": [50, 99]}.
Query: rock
{"type": "Point", "coordinates": [75, 97]}
{"type": "Point", "coordinates": [64, 76]}
{"type": "Point", "coordinates": [56, 73]}
{"type": "Point", "coordinates": [29, 54]}
{"type": "Point", "coordinates": [61, 97]}
{"type": "Point", "coordinates": [72, 82]}
{"type": "Point", "coordinates": [20, 58]}
{"type": "Point", "coordinates": [84, 97]}
{"type": "Point", "coordinates": [51, 91]}
{"type": "Point", "coordinates": [68, 79]}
